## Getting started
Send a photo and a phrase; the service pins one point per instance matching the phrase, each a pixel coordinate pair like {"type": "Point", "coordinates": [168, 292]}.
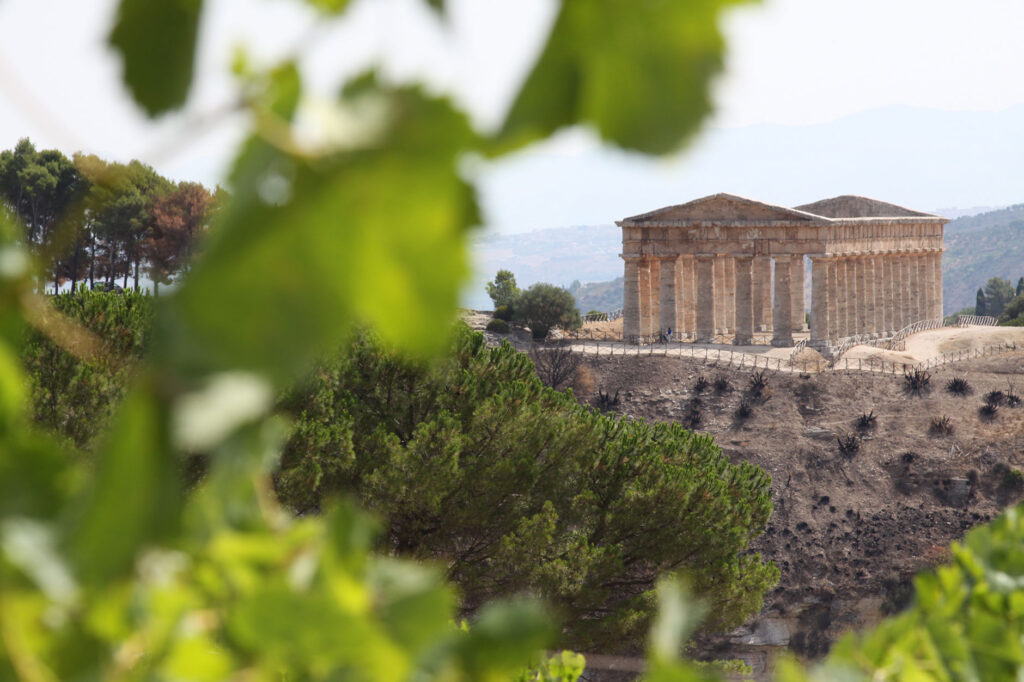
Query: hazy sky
{"type": "Point", "coordinates": [791, 62]}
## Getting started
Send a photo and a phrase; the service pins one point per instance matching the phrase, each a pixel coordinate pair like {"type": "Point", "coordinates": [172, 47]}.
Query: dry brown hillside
{"type": "Point", "coordinates": [849, 530]}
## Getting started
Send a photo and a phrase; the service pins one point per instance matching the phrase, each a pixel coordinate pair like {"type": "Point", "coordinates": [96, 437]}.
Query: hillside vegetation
{"type": "Point", "coordinates": [850, 528]}
{"type": "Point", "coordinates": [473, 462]}
{"type": "Point", "coordinates": [978, 248]}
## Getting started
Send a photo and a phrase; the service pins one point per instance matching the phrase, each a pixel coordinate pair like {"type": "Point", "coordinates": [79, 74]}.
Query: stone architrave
{"type": "Point", "coordinates": [705, 310]}
{"type": "Point", "coordinates": [782, 313]}
{"type": "Point", "coordinates": [744, 302]}
{"type": "Point", "coordinates": [798, 309]}
{"type": "Point", "coordinates": [631, 300]}
{"type": "Point", "coordinates": [668, 296]}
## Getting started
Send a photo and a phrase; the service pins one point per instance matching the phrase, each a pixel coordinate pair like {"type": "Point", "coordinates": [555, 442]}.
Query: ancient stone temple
{"type": "Point", "coordinates": [725, 265]}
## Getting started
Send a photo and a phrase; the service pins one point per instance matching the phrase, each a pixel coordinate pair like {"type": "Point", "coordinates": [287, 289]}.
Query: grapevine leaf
{"type": "Point", "coordinates": [329, 6]}
{"type": "Point", "coordinates": [504, 639]}
{"type": "Point", "coordinates": [134, 500]}
{"type": "Point", "coordinates": [308, 247]}
{"type": "Point", "coordinates": [637, 71]}
{"type": "Point", "coordinates": [157, 39]}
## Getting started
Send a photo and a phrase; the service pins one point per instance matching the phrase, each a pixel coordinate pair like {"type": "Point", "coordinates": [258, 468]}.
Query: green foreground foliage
{"type": "Point", "coordinates": [517, 488]}
{"type": "Point", "coordinates": [581, 509]}
{"type": "Point", "coordinates": [109, 570]}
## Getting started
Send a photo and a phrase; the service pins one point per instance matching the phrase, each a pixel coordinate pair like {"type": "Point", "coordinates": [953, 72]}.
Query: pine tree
{"type": "Point", "coordinates": [517, 488]}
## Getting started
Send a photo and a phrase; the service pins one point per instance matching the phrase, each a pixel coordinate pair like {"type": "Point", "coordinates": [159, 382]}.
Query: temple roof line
{"type": "Point", "coordinates": [724, 208]}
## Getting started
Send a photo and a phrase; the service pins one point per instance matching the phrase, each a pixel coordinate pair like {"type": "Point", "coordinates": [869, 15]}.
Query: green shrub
{"type": "Point", "coordinates": [504, 312]}
{"type": "Point", "coordinates": [544, 306]}
{"type": "Point", "coordinates": [498, 326]}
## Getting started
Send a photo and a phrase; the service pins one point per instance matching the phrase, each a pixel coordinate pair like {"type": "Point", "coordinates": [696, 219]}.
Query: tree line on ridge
{"type": "Point", "coordinates": [92, 221]}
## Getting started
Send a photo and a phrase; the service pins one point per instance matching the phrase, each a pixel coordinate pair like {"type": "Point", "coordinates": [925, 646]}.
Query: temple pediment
{"type": "Point", "coordinates": [852, 206]}
{"type": "Point", "coordinates": [723, 209]}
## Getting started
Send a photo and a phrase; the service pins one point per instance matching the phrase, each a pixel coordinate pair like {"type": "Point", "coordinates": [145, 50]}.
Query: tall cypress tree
{"type": "Point", "coordinates": [979, 305]}
{"type": "Point", "coordinates": [1020, 286]}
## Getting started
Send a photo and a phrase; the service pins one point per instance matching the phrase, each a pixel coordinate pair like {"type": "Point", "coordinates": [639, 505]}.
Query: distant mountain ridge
{"type": "Point", "coordinates": [585, 259]}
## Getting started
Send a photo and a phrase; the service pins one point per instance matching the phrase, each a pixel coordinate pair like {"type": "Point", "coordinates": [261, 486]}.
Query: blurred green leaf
{"type": "Point", "coordinates": [307, 632]}
{"type": "Point", "coordinates": [504, 639]}
{"type": "Point", "coordinates": [157, 39]}
{"type": "Point", "coordinates": [637, 70]}
{"type": "Point", "coordinates": [329, 6]}
{"type": "Point", "coordinates": [13, 386]}
{"type": "Point", "coordinates": [309, 247]}
{"type": "Point", "coordinates": [135, 498]}
{"type": "Point", "coordinates": [412, 603]}
{"type": "Point", "coordinates": [35, 475]}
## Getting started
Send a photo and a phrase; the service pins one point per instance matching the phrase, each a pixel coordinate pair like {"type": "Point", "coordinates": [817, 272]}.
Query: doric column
{"type": "Point", "coordinates": [798, 319]}
{"type": "Point", "coordinates": [689, 277]}
{"type": "Point", "coordinates": [668, 295]}
{"type": "Point", "coordinates": [924, 287]}
{"type": "Point", "coordinates": [743, 281]}
{"type": "Point", "coordinates": [843, 298]}
{"type": "Point", "coordinates": [684, 292]}
{"type": "Point", "coordinates": [730, 294]}
{"type": "Point", "coordinates": [761, 290]}
{"type": "Point", "coordinates": [819, 300]}
{"type": "Point", "coordinates": [719, 295]}
{"type": "Point", "coordinates": [898, 292]}
{"type": "Point", "coordinates": [782, 312]}
{"type": "Point", "coordinates": [870, 313]}
{"type": "Point", "coordinates": [631, 300]}
{"type": "Point", "coordinates": [833, 298]}
{"type": "Point", "coordinates": [645, 297]}
{"type": "Point", "coordinates": [892, 280]}
{"type": "Point", "coordinates": [907, 291]}
{"type": "Point", "coordinates": [705, 310]}
{"type": "Point", "coordinates": [929, 285]}
{"type": "Point", "coordinates": [860, 295]}
{"type": "Point", "coordinates": [879, 267]}
{"type": "Point", "coordinates": [654, 318]}
{"type": "Point", "coordinates": [937, 284]}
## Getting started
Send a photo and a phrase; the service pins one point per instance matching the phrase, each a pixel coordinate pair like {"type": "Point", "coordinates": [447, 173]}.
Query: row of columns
{"type": "Point", "coordinates": [709, 294]}
{"type": "Point", "coordinates": [704, 295]}
{"type": "Point", "coordinates": [875, 293]}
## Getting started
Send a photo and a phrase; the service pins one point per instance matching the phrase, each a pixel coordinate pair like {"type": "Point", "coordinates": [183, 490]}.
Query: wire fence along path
{"type": "Point", "coordinates": [721, 357]}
